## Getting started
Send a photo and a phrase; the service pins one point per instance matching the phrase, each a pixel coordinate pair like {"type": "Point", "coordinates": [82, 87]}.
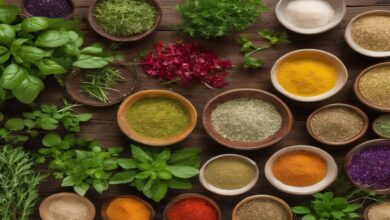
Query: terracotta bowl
{"type": "Point", "coordinates": [129, 101]}
{"type": "Point", "coordinates": [105, 206]}
{"type": "Point", "coordinates": [73, 87]}
{"type": "Point", "coordinates": [191, 195]}
{"type": "Point", "coordinates": [358, 111]}
{"type": "Point", "coordinates": [348, 160]}
{"type": "Point", "coordinates": [376, 121]}
{"type": "Point", "coordinates": [28, 14]}
{"type": "Point", "coordinates": [283, 109]}
{"type": "Point", "coordinates": [273, 198]}
{"type": "Point", "coordinates": [95, 26]}
{"type": "Point", "coordinates": [359, 94]}
{"type": "Point", "coordinates": [44, 207]}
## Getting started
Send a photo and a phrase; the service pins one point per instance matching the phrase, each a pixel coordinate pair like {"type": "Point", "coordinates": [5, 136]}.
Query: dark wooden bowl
{"type": "Point", "coordinates": [73, 87]}
{"type": "Point", "coordinates": [287, 118]}
{"type": "Point", "coordinates": [359, 94]}
{"type": "Point", "coordinates": [95, 26]}
{"type": "Point", "coordinates": [28, 14]}
{"type": "Point", "coordinates": [192, 195]}
{"type": "Point", "coordinates": [273, 198]}
{"type": "Point", "coordinates": [348, 160]}
{"type": "Point", "coordinates": [105, 206]}
{"type": "Point", "coordinates": [376, 121]}
{"type": "Point", "coordinates": [349, 107]}
{"type": "Point", "coordinates": [44, 207]}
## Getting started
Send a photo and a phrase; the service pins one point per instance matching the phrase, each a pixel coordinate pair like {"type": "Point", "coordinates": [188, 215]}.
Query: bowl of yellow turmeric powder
{"type": "Point", "coordinates": [127, 207]}
{"type": "Point", "coordinates": [309, 75]}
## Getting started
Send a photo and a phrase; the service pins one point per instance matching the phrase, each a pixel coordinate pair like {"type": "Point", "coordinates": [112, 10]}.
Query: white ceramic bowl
{"type": "Point", "coordinates": [341, 70]}
{"type": "Point", "coordinates": [339, 6]}
{"type": "Point", "coordinates": [306, 190]}
{"type": "Point", "coordinates": [228, 192]}
{"type": "Point", "coordinates": [356, 47]}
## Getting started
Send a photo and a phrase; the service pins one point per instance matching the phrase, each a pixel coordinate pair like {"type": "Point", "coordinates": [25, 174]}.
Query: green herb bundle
{"type": "Point", "coordinates": [153, 171]}
{"type": "Point", "coordinates": [18, 184]}
{"type": "Point", "coordinates": [211, 18]}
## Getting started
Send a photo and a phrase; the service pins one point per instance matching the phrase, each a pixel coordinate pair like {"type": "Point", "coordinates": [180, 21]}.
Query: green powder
{"type": "Point", "coordinates": [382, 126]}
{"type": "Point", "coordinates": [158, 117]}
{"type": "Point", "coordinates": [229, 172]}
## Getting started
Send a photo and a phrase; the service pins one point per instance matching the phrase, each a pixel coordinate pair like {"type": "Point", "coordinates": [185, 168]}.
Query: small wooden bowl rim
{"type": "Point", "coordinates": [283, 109]}
{"type": "Point", "coordinates": [106, 204]}
{"type": "Point", "coordinates": [357, 110]}
{"type": "Point", "coordinates": [28, 14]}
{"type": "Point", "coordinates": [130, 133]}
{"type": "Point", "coordinates": [285, 205]}
{"type": "Point", "coordinates": [360, 96]}
{"type": "Point", "coordinates": [192, 195]}
{"type": "Point", "coordinates": [348, 159]}
{"type": "Point", "coordinates": [94, 25]}
{"type": "Point", "coordinates": [44, 206]}
{"type": "Point", "coordinates": [229, 192]}
{"type": "Point", "coordinates": [365, 214]}
{"type": "Point", "coordinates": [305, 190]}
{"type": "Point", "coordinates": [376, 121]}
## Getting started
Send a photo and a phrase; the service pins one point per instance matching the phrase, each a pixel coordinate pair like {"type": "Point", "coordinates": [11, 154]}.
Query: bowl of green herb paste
{"type": "Point", "coordinates": [156, 117]}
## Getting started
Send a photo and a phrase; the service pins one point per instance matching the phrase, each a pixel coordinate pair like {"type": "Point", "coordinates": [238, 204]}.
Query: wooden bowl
{"type": "Point", "coordinates": [95, 26]}
{"type": "Point", "coordinates": [129, 132]}
{"type": "Point", "coordinates": [192, 195]}
{"type": "Point", "coordinates": [283, 109]}
{"type": "Point", "coordinates": [73, 87]}
{"type": "Point", "coordinates": [105, 206]}
{"type": "Point", "coordinates": [44, 207]}
{"type": "Point", "coordinates": [365, 214]}
{"type": "Point", "coordinates": [376, 121]}
{"type": "Point", "coordinates": [352, 108]}
{"type": "Point", "coordinates": [360, 96]}
{"type": "Point", "coordinates": [273, 198]}
{"type": "Point", "coordinates": [348, 159]}
{"type": "Point", "coordinates": [28, 14]}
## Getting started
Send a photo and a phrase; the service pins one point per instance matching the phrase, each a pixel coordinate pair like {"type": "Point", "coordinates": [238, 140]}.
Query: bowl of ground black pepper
{"type": "Point", "coordinates": [262, 207]}
{"type": "Point", "coordinates": [247, 119]}
{"type": "Point", "coordinates": [372, 87]}
{"type": "Point", "coordinates": [48, 8]}
{"type": "Point", "coordinates": [337, 124]}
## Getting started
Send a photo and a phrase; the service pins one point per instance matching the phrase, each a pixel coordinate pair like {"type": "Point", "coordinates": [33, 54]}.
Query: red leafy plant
{"type": "Point", "coordinates": [184, 63]}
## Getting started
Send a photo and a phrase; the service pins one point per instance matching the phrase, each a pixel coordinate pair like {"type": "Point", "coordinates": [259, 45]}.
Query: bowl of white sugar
{"type": "Point", "coordinates": [310, 16]}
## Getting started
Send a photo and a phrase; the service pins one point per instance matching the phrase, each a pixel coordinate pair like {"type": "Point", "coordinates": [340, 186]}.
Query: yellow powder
{"type": "Point", "coordinates": [127, 209]}
{"type": "Point", "coordinates": [306, 76]}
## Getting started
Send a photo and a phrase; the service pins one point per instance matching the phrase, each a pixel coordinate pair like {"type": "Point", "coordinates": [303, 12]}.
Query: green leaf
{"type": "Point", "coordinates": [143, 175]}
{"type": "Point", "coordinates": [7, 34]}
{"type": "Point", "coordinates": [309, 217]}
{"type": "Point", "coordinates": [14, 124]}
{"type": "Point", "coordinates": [4, 54]}
{"type": "Point", "coordinates": [12, 76]}
{"type": "Point", "coordinates": [95, 49]}
{"type": "Point", "coordinates": [28, 90]}
{"type": "Point", "coordinates": [300, 210]}
{"type": "Point", "coordinates": [164, 155]}
{"type": "Point", "coordinates": [90, 62]}
{"type": "Point", "coordinates": [47, 123]}
{"type": "Point", "coordinates": [165, 175]}
{"type": "Point", "coordinates": [123, 177]}
{"type": "Point", "coordinates": [246, 47]}
{"type": "Point", "coordinates": [51, 140]}
{"type": "Point", "coordinates": [32, 54]}
{"type": "Point", "coordinates": [8, 13]}
{"type": "Point", "coordinates": [183, 155]}
{"type": "Point", "coordinates": [84, 117]}
{"type": "Point", "coordinates": [69, 181]}
{"type": "Point", "coordinates": [176, 183]}
{"type": "Point", "coordinates": [53, 38]}
{"type": "Point", "coordinates": [252, 62]}
{"type": "Point", "coordinates": [352, 208]}
{"type": "Point", "coordinates": [127, 163]}
{"type": "Point", "coordinates": [100, 185]}
{"type": "Point", "coordinates": [182, 171]}
{"type": "Point", "coordinates": [49, 67]}
{"type": "Point", "coordinates": [81, 188]}
{"type": "Point", "coordinates": [140, 155]}
{"type": "Point", "coordinates": [34, 24]}
{"type": "Point", "coordinates": [159, 191]}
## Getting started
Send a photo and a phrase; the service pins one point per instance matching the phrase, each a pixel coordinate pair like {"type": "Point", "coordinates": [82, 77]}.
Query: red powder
{"type": "Point", "coordinates": [192, 209]}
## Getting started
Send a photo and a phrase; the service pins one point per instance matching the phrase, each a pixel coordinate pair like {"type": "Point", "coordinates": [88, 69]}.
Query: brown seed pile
{"type": "Point", "coordinates": [372, 32]}
{"type": "Point", "coordinates": [336, 124]}
{"type": "Point", "coordinates": [375, 86]}
{"type": "Point", "coordinates": [262, 209]}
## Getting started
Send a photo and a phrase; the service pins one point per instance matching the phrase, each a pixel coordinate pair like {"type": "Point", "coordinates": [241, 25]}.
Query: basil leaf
{"type": "Point", "coordinates": [48, 67]}
{"type": "Point", "coordinates": [76, 39]}
{"type": "Point", "coordinates": [17, 44]}
{"type": "Point", "coordinates": [28, 90]}
{"type": "Point", "coordinates": [51, 140]}
{"type": "Point", "coordinates": [309, 217]}
{"type": "Point", "coordinates": [123, 177]}
{"type": "Point", "coordinates": [159, 190]}
{"type": "Point", "coordinates": [32, 54]}
{"type": "Point", "coordinates": [90, 62]}
{"type": "Point", "coordinates": [84, 117]}
{"type": "Point", "coordinates": [4, 54]}
{"type": "Point", "coordinates": [182, 171]}
{"type": "Point", "coordinates": [70, 50]}
{"type": "Point", "coordinates": [81, 188]}
{"type": "Point", "coordinates": [164, 155]}
{"type": "Point", "coordinates": [95, 49]}
{"type": "Point", "coordinates": [53, 38]}
{"type": "Point", "coordinates": [14, 124]}
{"type": "Point", "coordinates": [176, 183]}
{"type": "Point", "coordinates": [100, 185]}
{"type": "Point", "coordinates": [12, 76]}
{"type": "Point", "coordinates": [140, 155]}
{"type": "Point", "coordinates": [183, 154]}
{"type": "Point", "coordinates": [164, 175]}
{"type": "Point", "coordinates": [35, 24]}
{"type": "Point", "coordinates": [8, 13]}
{"type": "Point", "coordinates": [301, 210]}
{"type": "Point", "coordinates": [127, 163]}
{"type": "Point", "coordinates": [69, 181]}
{"type": "Point", "coordinates": [7, 34]}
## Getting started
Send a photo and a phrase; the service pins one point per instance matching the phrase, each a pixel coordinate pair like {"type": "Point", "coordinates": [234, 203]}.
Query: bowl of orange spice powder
{"type": "Point", "coordinates": [127, 208]}
{"type": "Point", "coordinates": [301, 169]}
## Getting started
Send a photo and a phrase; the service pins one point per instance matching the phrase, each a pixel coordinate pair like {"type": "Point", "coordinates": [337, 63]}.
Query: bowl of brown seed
{"type": "Point", "coordinates": [337, 124]}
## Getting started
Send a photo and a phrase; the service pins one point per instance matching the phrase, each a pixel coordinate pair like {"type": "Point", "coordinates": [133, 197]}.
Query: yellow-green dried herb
{"type": "Point", "coordinates": [158, 117]}
{"type": "Point", "coordinates": [375, 86]}
{"type": "Point", "coordinates": [382, 126]}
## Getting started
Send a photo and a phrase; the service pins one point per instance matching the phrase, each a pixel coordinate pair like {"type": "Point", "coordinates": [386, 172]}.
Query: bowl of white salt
{"type": "Point", "coordinates": [310, 16]}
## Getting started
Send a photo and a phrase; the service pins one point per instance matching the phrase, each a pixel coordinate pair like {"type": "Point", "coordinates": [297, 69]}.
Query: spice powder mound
{"type": "Point", "coordinates": [336, 124]}
{"type": "Point", "coordinates": [246, 119]}
{"type": "Point", "coordinates": [375, 86]}
{"type": "Point", "coordinates": [67, 209]}
{"type": "Point", "coordinates": [380, 211]}
{"type": "Point", "coordinates": [261, 209]}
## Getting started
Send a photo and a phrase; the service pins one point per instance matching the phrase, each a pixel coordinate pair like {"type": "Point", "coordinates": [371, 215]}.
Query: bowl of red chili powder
{"type": "Point", "coordinates": [198, 206]}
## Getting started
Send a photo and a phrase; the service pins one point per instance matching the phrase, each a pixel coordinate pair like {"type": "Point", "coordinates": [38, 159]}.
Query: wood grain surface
{"type": "Point", "coordinates": [104, 127]}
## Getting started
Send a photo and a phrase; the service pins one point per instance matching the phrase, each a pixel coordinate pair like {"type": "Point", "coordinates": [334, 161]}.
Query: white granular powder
{"type": "Point", "coordinates": [309, 13]}
{"type": "Point", "coordinates": [67, 209]}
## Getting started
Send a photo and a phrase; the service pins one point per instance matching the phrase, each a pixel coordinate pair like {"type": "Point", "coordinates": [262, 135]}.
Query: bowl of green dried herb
{"type": "Point", "coordinates": [124, 20]}
{"type": "Point", "coordinates": [381, 126]}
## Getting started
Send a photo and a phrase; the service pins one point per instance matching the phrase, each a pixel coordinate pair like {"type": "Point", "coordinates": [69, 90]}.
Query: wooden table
{"type": "Point", "coordinates": [104, 128]}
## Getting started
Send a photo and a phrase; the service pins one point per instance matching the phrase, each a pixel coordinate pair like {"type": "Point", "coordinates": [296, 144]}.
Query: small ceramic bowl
{"type": "Point", "coordinates": [192, 195]}
{"type": "Point", "coordinates": [352, 108]}
{"type": "Point", "coordinates": [342, 73]}
{"type": "Point", "coordinates": [339, 6]}
{"type": "Point", "coordinates": [376, 121]}
{"type": "Point", "coordinates": [358, 148]}
{"type": "Point", "coordinates": [45, 204]}
{"type": "Point", "coordinates": [306, 190]}
{"type": "Point", "coordinates": [287, 118]}
{"type": "Point", "coordinates": [95, 26]}
{"type": "Point", "coordinates": [360, 96]}
{"type": "Point", "coordinates": [105, 206]}
{"type": "Point", "coordinates": [268, 197]}
{"type": "Point", "coordinates": [26, 13]}
{"type": "Point", "coordinates": [129, 132]}
{"type": "Point", "coordinates": [228, 192]}
{"type": "Point", "coordinates": [367, 209]}
{"type": "Point", "coordinates": [355, 46]}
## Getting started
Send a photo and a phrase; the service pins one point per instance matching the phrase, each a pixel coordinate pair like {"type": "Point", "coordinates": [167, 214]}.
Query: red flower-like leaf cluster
{"type": "Point", "coordinates": [184, 63]}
